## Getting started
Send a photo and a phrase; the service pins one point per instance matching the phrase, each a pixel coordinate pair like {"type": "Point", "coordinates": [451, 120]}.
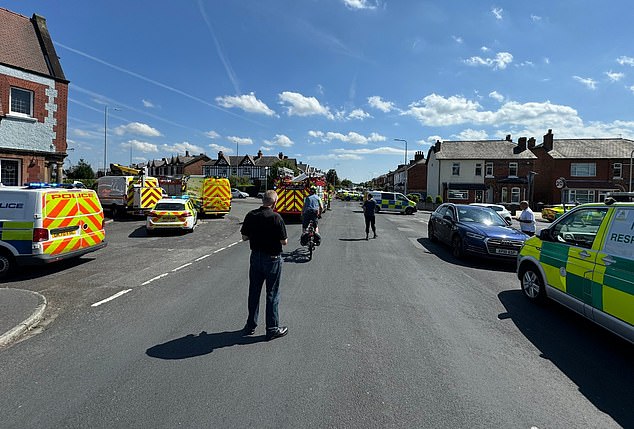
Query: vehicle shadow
{"type": "Point", "coordinates": [142, 232]}
{"type": "Point", "coordinates": [444, 253]}
{"type": "Point", "coordinates": [201, 344]}
{"type": "Point", "coordinates": [297, 256]}
{"type": "Point", "coordinates": [34, 272]}
{"type": "Point", "coordinates": [599, 363]}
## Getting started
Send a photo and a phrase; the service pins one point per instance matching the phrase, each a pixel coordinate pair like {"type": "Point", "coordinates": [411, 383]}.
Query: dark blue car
{"type": "Point", "coordinates": [475, 230]}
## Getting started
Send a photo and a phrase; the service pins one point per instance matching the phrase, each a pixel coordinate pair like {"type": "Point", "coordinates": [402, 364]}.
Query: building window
{"type": "Point", "coordinates": [512, 169]}
{"type": "Point", "coordinates": [580, 196]}
{"type": "Point", "coordinates": [21, 102]}
{"type": "Point", "coordinates": [454, 194]}
{"type": "Point", "coordinates": [515, 195]}
{"type": "Point", "coordinates": [455, 169]}
{"type": "Point", "coordinates": [586, 169]}
{"type": "Point", "coordinates": [488, 169]}
{"type": "Point", "coordinates": [618, 170]}
{"type": "Point", "coordinates": [505, 195]}
{"type": "Point", "coordinates": [9, 169]}
{"type": "Point", "coordinates": [478, 169]}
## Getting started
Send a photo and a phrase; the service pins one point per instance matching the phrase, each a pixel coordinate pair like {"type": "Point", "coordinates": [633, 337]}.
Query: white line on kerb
{"type": "Point", "coordinates": [155, 278]}
{"type": "Point", "coordinates": [116, 295]}
{"type": "Point", "coordinates": [202, 257]}
{"type": "Point", "coordinates": [181, 267]}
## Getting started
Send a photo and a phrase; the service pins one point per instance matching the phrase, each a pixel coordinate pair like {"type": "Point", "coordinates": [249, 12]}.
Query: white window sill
{"type": "Point", "coordinates": [16, 117]}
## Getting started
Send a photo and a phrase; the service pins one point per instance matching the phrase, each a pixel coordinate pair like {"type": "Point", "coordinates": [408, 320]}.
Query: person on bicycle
{"type": "Point", "coordinates": [313, 207]}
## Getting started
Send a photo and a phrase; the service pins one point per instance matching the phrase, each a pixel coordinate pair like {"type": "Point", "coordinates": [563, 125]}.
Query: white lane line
{"type": "Point", "coordinates": [155, 278]}
{"type": "Point", "coordinates": [220, 250]}
{"type": "Point", "coordinates": [202, 257]}
{"type": "Point", "coordinates": [116, 295]}
{"type": "Point", "coordinates": [181, 267]}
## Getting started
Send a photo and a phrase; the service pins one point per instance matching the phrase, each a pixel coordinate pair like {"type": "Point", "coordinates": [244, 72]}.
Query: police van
{"type": "Point", "coordinates": [393, 202]}
{"type": "Point", "coordinates": [585, 261]}
{"type": "Point", "coordinates": [42, 223]}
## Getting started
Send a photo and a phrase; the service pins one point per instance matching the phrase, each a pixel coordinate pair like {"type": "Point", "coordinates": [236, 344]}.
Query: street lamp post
{"type": "Point", "coordinates": [266, 179]}
{"type": "Point", "coordinates": [631, 156]}
{"type": "Point", "coordinates": [105, 137]}
{"type": "Point", "coordinates": [405, 185]}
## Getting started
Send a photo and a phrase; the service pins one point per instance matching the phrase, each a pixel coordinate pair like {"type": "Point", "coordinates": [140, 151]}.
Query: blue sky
{"type": "Point", "coordinates": [334, 82]}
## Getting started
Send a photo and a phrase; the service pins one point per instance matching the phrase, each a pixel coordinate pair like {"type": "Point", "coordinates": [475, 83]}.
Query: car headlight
{"type": "Point", "coordinates": [474, 235]}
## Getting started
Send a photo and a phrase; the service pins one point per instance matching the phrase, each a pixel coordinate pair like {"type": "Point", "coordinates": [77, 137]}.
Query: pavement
{"type": "Point", "coordinates": [20, 310]}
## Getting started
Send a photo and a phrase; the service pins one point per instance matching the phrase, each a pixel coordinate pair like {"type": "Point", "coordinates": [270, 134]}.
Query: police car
{"type": "Point", "coordinates": [172, 213]}
{"type": "Point", "coordinates": [585, 261]}
{"type": "Point", "coordinates": [393, 202]}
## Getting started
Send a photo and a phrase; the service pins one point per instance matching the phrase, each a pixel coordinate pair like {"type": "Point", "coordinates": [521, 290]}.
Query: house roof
{"type": "Point", "coordinates": [481, 149]}
{"type": "Point", "coordinates": [591, 148]}
{"type": "Point", "coordinates": [30, 47]}
{"type": "Point", "coordinates": [263, 161]}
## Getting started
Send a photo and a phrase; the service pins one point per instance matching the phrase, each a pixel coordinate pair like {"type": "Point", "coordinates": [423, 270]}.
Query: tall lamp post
{"type": "Point", "coordinates": [631, 156]}
{"type": "Point", "coordinates": [266, 179]}
{"type": "Point", "coordinates": [405, 141]}
{"type": "Point", "coordinates": [105, 137]}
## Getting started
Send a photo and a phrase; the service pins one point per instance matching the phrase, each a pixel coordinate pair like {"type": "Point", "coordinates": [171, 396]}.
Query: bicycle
{"type": "Point", "coordinates": [310, 241]}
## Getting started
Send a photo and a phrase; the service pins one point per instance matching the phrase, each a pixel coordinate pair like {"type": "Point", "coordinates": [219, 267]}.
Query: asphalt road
{"type": "Point", "coordinates": [391, 332]}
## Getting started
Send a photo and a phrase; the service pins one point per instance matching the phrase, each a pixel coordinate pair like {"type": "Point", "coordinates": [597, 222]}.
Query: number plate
{"type": "Point", "coordinates": [506, 252]}
{"type": "Point", "coordinates": [168, 219]}
{"type": "Point", "coordinates": [63, 234]}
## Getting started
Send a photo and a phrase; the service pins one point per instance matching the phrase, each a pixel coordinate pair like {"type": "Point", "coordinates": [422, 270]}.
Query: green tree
{"type": "Point", "coordinates": [346, 183]}
{"type": "Point", "coordinates": [81, 171]}
{"type": "Point", "coordinates": [331, 177]}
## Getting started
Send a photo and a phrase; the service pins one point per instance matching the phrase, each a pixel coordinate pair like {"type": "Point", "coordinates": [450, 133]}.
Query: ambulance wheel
{"type": "Point", "coordinates": [409, 211]}
{"type": "Point", "coordinates": [532, 284]}
{"type": "Point", "coordinates": [6, 263]}
{"type": "Point", "coordinates": [456, 246]}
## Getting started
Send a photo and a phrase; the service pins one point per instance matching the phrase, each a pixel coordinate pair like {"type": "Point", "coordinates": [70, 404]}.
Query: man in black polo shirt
{"type": "Point", "coordinates": [266, 233]}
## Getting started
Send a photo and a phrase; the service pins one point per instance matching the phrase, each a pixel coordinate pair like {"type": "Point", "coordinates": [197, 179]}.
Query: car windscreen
{"type": "Point", "coordinates": [481, 215]}
{"type": "Point", "coordinates": [170, 206]}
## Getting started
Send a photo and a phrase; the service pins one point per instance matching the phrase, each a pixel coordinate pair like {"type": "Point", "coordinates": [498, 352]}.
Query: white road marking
{"type": "Point", "coordinates": [202, 257]}
{"type": "Point", "coordinates": [116, 295]}
{"type": "Point", "coordinates": [181, 267]}
{"type": "Point", "coordinates": [155, 278]}
{"type": "Point", "coordinates": [220, 250]}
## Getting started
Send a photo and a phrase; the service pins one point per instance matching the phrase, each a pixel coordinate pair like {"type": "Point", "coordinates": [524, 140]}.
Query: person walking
{"type": "Point", "coordinates": [369, 210]}
{"type": "Point", "coordinates": [526, 219]}
{"type": "Point", "coordinates": [266, 232]}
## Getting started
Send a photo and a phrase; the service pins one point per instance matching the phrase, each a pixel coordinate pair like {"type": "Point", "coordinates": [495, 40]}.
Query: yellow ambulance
{"type": "Point", "coordinates": [41, 223]}
{"type": "Point", "coordinates": [585, 261]}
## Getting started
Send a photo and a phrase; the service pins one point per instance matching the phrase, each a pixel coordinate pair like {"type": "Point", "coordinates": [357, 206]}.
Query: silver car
{"type": "Point", "coordinates": [502, 211]}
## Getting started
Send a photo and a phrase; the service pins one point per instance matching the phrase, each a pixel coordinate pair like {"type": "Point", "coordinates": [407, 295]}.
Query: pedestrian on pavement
{"type": "Point", "coordinates": [266, 233]}
{"type": "Point", "coordinates": [369, 210]}
{"type": "Point", "coordinates": [526, 219]}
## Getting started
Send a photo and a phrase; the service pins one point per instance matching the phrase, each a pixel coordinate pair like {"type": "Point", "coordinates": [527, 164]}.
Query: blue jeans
{"type": "Point", "coordinates": [264, 268]}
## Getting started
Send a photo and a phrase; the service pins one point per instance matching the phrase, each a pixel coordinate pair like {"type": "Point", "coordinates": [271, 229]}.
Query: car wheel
{"type": "Point", "coordinates": [532, 284]}
{"type": "Point", "coordinates": [456, 247]}
{"type": "Point", "coordinates": [431, 234]}
{"type": "Point", "coordinates": [6, 263]}
{"type": "Point", "coordinates": [409, 211]}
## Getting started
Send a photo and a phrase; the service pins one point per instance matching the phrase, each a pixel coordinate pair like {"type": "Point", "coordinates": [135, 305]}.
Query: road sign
{"type": "Point", "coordinates": [560, 183]}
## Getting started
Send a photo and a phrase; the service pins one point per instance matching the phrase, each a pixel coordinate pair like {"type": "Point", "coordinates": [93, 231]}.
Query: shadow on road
{"type": "Point", "coordinates": [197, 345]}
{"type": "Point", "coordinates": [297, 256]}
{"type": "Point", "coordinates": [600, 364]}
{"type": "Point", "coordinates": [472, 261]}
{"type": "Point", "coordinates": [353, 239]}
{"type": "Point", "coordinates": [34, 272]}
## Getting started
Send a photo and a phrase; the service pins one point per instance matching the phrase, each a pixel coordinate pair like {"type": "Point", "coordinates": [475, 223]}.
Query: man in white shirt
{"type": "Point", "coordinates": [526, 219]}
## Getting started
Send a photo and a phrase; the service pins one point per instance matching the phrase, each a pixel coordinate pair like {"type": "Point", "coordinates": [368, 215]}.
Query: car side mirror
{"type": "Point", "coordinates": [508, 222]}
{"type": "Point", "coordinates": [448, 218]}
{"type": "Point", "coordinates": [544, 234]}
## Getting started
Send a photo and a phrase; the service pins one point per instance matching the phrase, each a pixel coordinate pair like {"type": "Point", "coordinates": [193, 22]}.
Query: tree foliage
{"type": "Point", "coordinates": [346, 183]}
{"type": "Point", "coordinates": [81, 171]}
{"type": "Point", "coordinates": [331, 177]}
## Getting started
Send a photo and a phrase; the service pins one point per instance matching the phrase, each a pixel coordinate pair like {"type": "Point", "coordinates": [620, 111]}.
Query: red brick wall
{"type": "Point", "coordinates": [39, 91]}
{"type": "Point", "coordinates": [61, 115]}
{"type": "Point", "coordinates": [417, 178]}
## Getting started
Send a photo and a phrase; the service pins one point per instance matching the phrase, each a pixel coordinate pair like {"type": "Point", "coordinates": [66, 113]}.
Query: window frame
{"type": "Point", "coordinates": [18, 170]}
{"type": "Point", "coordinates": [487, 172]}
{"type": "Point", "coordinates": [516, 195]}
{"type": "Point", "coordinates": [575, 166]}
{"type": "Point", "coordinates": [478, 169]}
{"type": "Point", "coordinates": [620, 170]}
{"type": "Point", "coordinates": [31, 102]}
{"type": "Point", "coordinates": [457, 194]}
{"type": "Point", "coordinates": [513, 166]}
{"type": "Point", "coordinates": [455, 169]}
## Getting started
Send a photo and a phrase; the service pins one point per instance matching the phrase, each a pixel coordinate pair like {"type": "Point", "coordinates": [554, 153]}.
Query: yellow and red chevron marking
{"type": "Point", "coordinates": [290, 201]}
{"type": "Point", "coordinates": [59, 208]}
{"type": "Point", "coordinates": [63, 245]}
{"type": "Point", "coordinates": [150, 196]}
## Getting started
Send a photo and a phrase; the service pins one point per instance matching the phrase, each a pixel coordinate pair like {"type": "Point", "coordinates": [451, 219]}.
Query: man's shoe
{"type": "Point", "coordinates": [276, 333]}
{"type": "Point", "coordinates": [366, 236]}
{"type": "Point", "coordinates": [375, 235]}
{"type": "Point", "coordinates": [248, 331]}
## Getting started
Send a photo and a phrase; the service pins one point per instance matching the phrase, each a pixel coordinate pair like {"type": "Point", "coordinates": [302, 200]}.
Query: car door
{"type": "Point", "coordinates": [615, 268]}
{"type": "Point", "coordinates": [569, 258]}
{"type": "Point", "coordinates": [446, 220]}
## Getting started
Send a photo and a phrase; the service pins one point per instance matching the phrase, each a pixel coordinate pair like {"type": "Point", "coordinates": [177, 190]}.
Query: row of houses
{"type": "Point", "coordinates": [504, 171]}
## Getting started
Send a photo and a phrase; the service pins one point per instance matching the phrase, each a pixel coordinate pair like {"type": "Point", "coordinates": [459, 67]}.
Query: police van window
{"type": "Point", "coordinates": [401, 198]}
{"type": "Point", "coordinates": [619, 240]}
{"type": "Point", "coordinates": [579, 228]}
{"type": "Point", "coordinates": [386, 196]}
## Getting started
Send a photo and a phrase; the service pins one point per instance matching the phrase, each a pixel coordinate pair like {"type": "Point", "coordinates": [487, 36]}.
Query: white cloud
{"type": "Point", "coordinates": [316, 134]}
{"type": "Point", "coordinates": [587, 81]}
{"type": "Point", "coordinates": [378, 103]}
{"type": "Point", "coordinates": [614, 76]}
{"type": "Point", "coordinates": [536, 18]}
{"type": "Point", "coordinates": [457, 39]}
{"type": "Point", "coordinates": [496, 96]}
{"type": "Point", "coordinates": [484, 49]}
{"type": "Point", "coordinates": [384, 150]}
{"type": "Point", "coordinates": [359, 4]}
{"type": "Point", "coordinates": [359, 114]}
{"type": "Point", "coordinates": [351, 137]}
{"type": "Point", "coordinates": [497, 12]}
{"type": "Point", "coordinates": [298, 105]}
{"type": "Point", "coordinates": [240, 140]}
{"type": "Point", "coordinates": [140, 146]}
{"type": "Point", "coordinates": [85, 134]}
{"type": "Point", "coordinates": [212, 134]}
{"type": "Point", "coordinates": [469, 134]}
{"type": "Point", "coordinates": [218, 148]}
{"type": "Point", "coordinates": [148, 103]}
{"type": "Point", "coordinates": [137, 128]}
{"type": "Point", "coordinates": [279, 140]}
{"type": "Point", "coordinates": [625, 61]}
{"type": "Point", "coordinates": [246, 102]}
{"type": "Point", "coordinates": [500, 61]}
{"type": "Point", "coordinates": [181, 148]}
{"type": "Point", "coordinates": [632, 88]}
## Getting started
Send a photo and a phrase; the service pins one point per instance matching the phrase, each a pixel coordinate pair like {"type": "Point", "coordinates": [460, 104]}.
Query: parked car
{"type": "Point", "coordinates": [236, 193]}
{"type": "Point", "coordinates": [502, 211]}
{"type": "Point", "coordinates": [475, 230]}
{"type": "Point", "coordinates": [172, 213]}
{"type": "Point", "coordinates": [585, 261]}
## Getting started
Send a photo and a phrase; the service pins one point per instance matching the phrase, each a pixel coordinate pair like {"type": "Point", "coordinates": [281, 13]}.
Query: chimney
{"type": "Point", "coordinates": [259, 154]}
{"type": "Point", "coordinates": [280, 155]}
{"type": "Point", "coordinates": [220, 154]}
{"type": "Point", "coordinates": [548, 141]}
{"type": "Point", "coordinates": [437, 146]}
{"type": "Point", "coordinates": [418, 156]}
{"type": "Point", "coordinates": [186, 153]}
{"type": "Point", "coordinates": [531, 143]}
{"type": "Point", "coordinates": [521, 145]}
{"type": "Point", "coordinates": [508, 138]}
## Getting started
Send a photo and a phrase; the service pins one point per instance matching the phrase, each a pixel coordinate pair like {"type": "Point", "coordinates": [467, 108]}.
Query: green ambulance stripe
{"type": "Point", "coordinates": [22, 231]}
{"type": "Point", "coordinates": [558, 251]}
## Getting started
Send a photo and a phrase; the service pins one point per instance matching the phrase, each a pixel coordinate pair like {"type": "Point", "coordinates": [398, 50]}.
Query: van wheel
{"type": "Point", "coordinates": [114, 211]}
{"type": "Point", "coordinates": [532, 284]}
{"type": "Point", "coordinates": [409, 211]}
{"type": "Point", "coordinates": [377, 209]}
{"type": "Point", "coordinates": [6, 263]}
{"type": "Point", "coordinates": [456, 246]}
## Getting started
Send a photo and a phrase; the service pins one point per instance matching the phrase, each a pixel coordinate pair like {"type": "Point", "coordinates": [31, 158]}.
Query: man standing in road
{"type": "Point", "coordinates": [266, 233]}
{"type": "Point", "coordinates": [526, 219]}
{"type": "Point", "coordinates": [369, 210]}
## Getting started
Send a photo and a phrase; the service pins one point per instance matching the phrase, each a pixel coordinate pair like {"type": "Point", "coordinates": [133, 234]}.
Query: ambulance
{"type": "Point", "coordinates": [42, 223]}
{"type": "Point", "coordinates": [211, 195]}
{"type": "Point", "coordinates": [585, 261]}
